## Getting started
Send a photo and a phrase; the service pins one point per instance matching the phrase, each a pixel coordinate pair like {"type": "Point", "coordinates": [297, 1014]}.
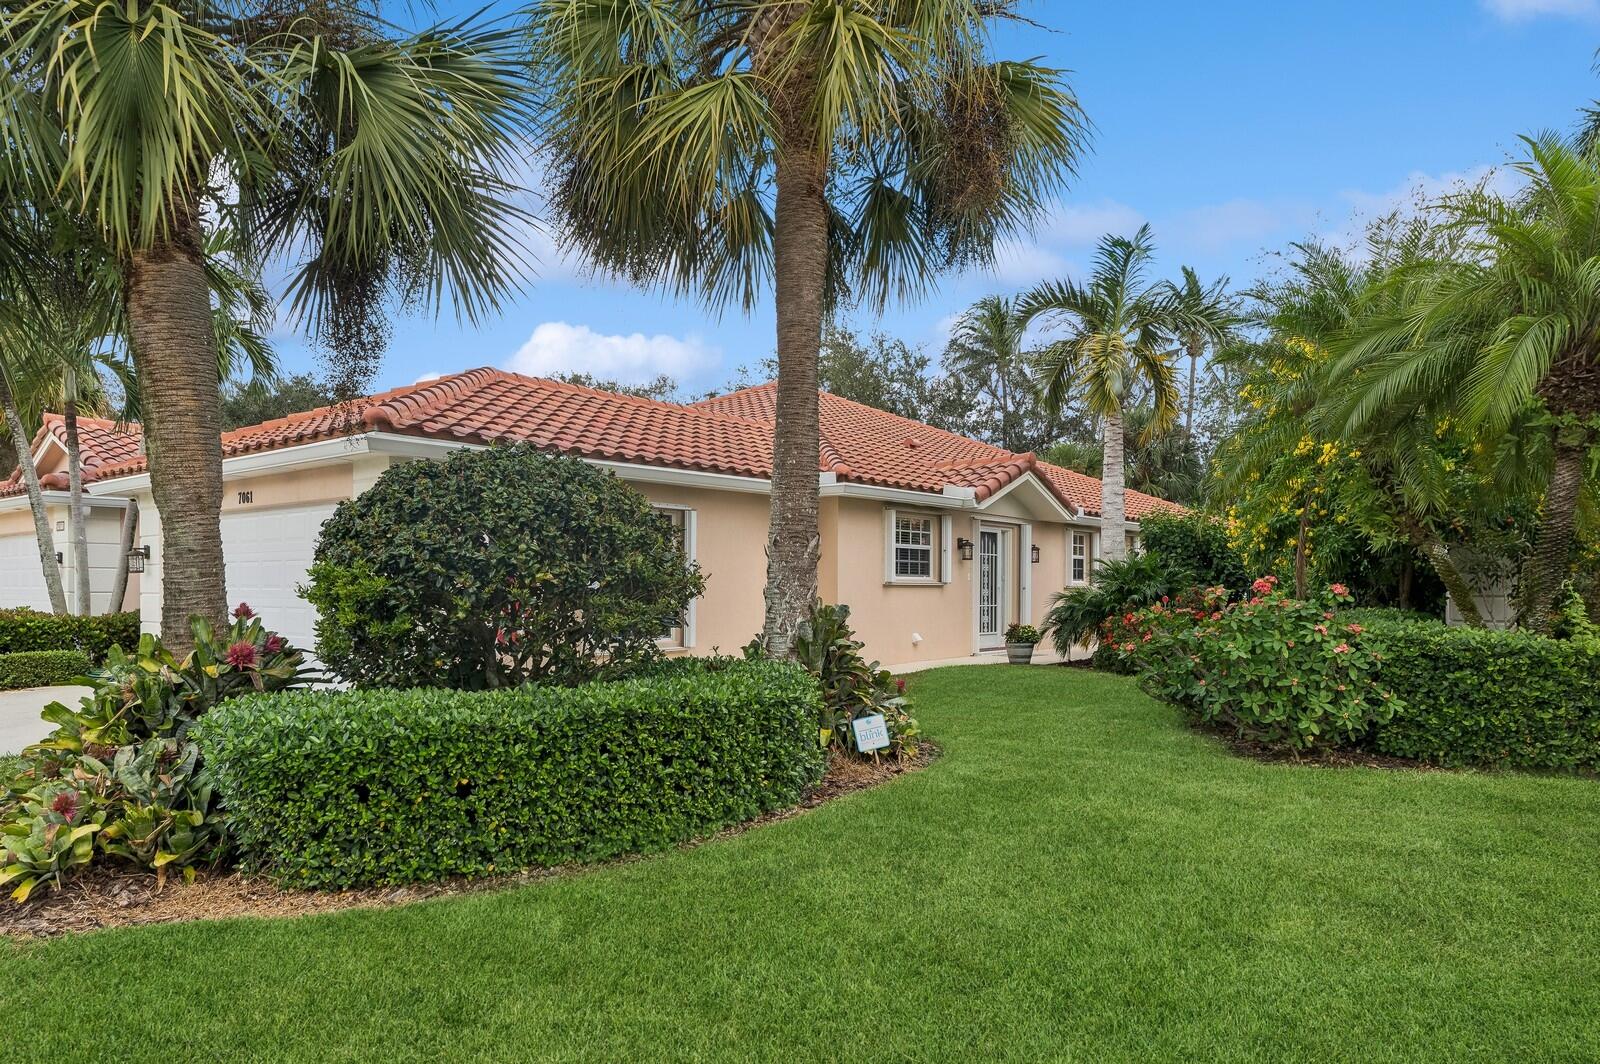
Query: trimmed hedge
{"type": "Point", "coordinates": [41, 668]}
{"type": "Point", "coordinates": [334, 789]}
{"type": "Point", "coordinates": [1492, 699]}
{"type": "Point", "coordinates": [25, 629]}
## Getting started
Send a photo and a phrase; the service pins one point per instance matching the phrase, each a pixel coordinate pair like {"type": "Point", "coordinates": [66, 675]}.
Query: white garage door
{"type": "Point", "coordinates": [21, 578]}
{"type": "Point", "coordinates": [267, 554]}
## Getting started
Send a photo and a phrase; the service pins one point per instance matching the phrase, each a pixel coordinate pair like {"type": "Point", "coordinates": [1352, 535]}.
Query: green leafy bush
{"type": "Point", "coordinates": [852, 686]}
{"type": "Point", "coordinates": [1493, 699]}
{"type": "Point", "coordinates": [331, 789]}
{"type": "Point", "coordinates": [1276, 669]}
{"type": "Point", "coordinates": [495, 568]}
{"type": "Point", "coordinates": [1119, 586]}
{"type": "Point", "coordinates": [22, 629]}
{"type": "Point", "coordinates": [125, 764]}
{"type": "Point", "coordinates": [1195, 545]}
{"type": "Point", "coordinates": [41, 668]}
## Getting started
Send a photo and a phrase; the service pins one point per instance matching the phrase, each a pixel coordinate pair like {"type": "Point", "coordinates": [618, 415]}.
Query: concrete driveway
{"type": "Point", "coordinates": [19, 714]}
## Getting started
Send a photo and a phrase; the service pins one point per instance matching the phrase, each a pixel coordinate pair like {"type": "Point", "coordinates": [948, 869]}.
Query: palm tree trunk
{"type": "Point", "coordinates": [30, 477]}
{"type": "Point", "coordinates": [1546, 567]}
{"type": "Point", "coordinates": [1194, 364]}
{"type": "Point", "coordinates": [119, 583]}
{"type": "Point", "coordinates": [1438, 555]}
{"type": "Point", "coordinates": [1113, 492]}
{"type": "Point", "coordinates": [77, 527]}
{"type": "Point", "coordinates": [175, 353]}
{"type": "Point", "coordinates": [1301, 550]}
{"type": "Point", "coordinates": [800, 256]}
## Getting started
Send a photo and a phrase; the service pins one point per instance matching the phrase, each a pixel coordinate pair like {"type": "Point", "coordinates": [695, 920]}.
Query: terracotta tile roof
{"type": "Point", "coordinates": [727, 434]}
{"type": "Point", "coordinates": [102, 444]}
{"type": "Point", "coordinates": [1084, 491]}
{"type": "Point", "coordinates": [871, 446]}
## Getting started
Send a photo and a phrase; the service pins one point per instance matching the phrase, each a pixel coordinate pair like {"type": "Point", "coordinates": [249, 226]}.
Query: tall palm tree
{"type": "Point", "coordinates": [817, 150]}
{"type": "Point", "coordinates": [1116, 331]}
{"type": "Point", "coordinates": [1207, 318]}
{"type": "Point", "coordinates": [1510, 323]}
{"type": "Point", "coordinates": [986, 346]}
{"type": "Point", "coordinates": [371, 159]}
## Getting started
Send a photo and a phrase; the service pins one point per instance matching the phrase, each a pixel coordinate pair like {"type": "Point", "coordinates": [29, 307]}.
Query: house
{"type": "Point", "coordinates": [936, 541]}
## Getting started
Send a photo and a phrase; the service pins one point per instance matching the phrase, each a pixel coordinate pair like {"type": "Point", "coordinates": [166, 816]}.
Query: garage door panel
{"type": "Point", "coordinates": [267, 554]}
{"type": "Point", "coordinates": [21, 577]}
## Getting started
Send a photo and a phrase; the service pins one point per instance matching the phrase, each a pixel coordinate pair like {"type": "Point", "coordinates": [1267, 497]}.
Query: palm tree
{"type": "Point", "coordinates": [823, 152]}
{"type": "Point", "coordinates": [986, 346]}
{"type": "Point", "coordinates": [1208, 316]}
{"type": "Point", "coordinates": [371, 160]}
{"type": "Point", "coordinates": [1509, 323]}
{"type": "Point", "coordinates": [1117, 331]}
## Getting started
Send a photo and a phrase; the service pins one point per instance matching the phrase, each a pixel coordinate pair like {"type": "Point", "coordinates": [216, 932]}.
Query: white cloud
{"type": "Point", "coordinates": [426, 377]}
{"type": "Point", "coordinates": [559, 347]}
{"type": "Point", "coordinates": [1519, 10]}
{"type": "Point", "coordinates": [1082, 225]}
{"type": "Point", "coordinates": [1410, 196]}
{"type": "Point", "coordinates": [1235, 221]}
{"type": "Point", "coordinates": [1019, 263]}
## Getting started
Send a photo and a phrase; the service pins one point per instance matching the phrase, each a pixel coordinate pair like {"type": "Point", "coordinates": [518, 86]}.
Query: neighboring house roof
{"type": "Point", "coordinates": [728, 434]}
{"type": "Point", "coordinates": [102, 445]}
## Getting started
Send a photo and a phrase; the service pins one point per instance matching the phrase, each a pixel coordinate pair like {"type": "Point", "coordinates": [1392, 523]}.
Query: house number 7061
{"type": "Point", "coordinates": [246, 498]}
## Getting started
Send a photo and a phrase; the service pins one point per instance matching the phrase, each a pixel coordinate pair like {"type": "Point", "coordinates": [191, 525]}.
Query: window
{"type": "Point", "coordinates": [1080, 558]}
{"type": "Point", "coordinates": [1132, 540]}
{"type": "Point", "coordinates": [678, 632]}
{"type": "Point", "coordinates": [913, 547]}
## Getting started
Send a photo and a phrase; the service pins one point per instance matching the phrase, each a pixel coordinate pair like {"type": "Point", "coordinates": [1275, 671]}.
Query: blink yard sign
{"type": "Point", "coordinates": [871, 733]}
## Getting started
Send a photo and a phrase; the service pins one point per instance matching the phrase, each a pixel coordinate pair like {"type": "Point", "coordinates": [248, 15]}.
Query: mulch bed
{"type": "Point", "coordinates": [1325, 758]}
{"type": "Point", "coordinates": [119, 897]}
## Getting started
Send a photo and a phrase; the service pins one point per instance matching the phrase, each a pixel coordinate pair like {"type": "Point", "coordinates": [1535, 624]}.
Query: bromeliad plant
{"type": "Point", "coordinates": [1276, 669]}
{"type": "Point", "coordinates": [120, 776]}
{"type": "Point", "coordinates": [851, 685]}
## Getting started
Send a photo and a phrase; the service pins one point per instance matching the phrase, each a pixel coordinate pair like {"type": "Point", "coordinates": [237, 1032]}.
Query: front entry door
{"type": "Point", "coordinates": [991, 587]}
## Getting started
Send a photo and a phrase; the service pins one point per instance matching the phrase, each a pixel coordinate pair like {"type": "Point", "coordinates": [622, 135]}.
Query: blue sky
{"type": "Point", "coordinates": [1233, 128]}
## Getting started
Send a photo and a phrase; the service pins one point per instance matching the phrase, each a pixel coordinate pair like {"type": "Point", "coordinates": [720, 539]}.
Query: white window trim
{"type": "Point", "coordinates": [938, 553]}
{"type": "Point", "coordinates": [1088, 556]}
{"type": "Point", "coordinates": [691, 555]}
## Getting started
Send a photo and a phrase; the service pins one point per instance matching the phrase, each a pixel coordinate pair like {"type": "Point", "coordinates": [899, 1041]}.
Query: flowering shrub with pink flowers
{"type": "Point", "coordinates": [119, 776]}
{"type": "Point", "coordinates": [1275, 668]}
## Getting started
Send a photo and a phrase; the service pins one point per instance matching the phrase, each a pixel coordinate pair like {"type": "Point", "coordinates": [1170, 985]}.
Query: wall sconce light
{"type": "Point", "coordinates": [137, 557]}
{"type": "Point", "coordinates": [1035, 553]}
{"type": "Point", "coordinates": [59, 559]}
{"type": "Point", "coordinates": [964, 545]}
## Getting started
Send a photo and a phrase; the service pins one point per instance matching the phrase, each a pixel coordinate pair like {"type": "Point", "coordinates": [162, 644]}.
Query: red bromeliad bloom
{"type": "Point", "coordinates": [274, 644]}
{"type": "Point", "coordinates": [242, 654]}
{"type": "Point", "coordinates": [1342, 648]}
{"type": "Point", "coordinates": [66, 804]}
{"type": "Point", "coordinates": [243, 612]}
{"type": "Point", "coordinates": [1354, 629]}
{"type": "Point", "coordinates": [1320, 629]}
{"type": "Point", "coordinates": [1339, 589]}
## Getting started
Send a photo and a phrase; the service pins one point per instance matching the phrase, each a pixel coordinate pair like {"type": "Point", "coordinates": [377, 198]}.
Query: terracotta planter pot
{"type": "Point", "coordinates": [1019, 653]}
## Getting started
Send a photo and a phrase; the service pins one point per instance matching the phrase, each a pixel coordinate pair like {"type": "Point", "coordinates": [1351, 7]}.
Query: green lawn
{"type": "Point", "coordinates": [1078, 877]}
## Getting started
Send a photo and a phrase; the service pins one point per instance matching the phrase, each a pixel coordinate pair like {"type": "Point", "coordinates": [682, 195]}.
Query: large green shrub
{"type": "Point", "coordinates": [333, 789]}
{"type": "Point", "coordinates": [41, 668]}
{"type": "Point", "coordinates": [1497, 699]}
{"type": "Point", "coordinates": [494, 568]}
{"type": "Point", "coordinates": [1195, 545]}
{"type": "Point", "coordinates": [1276, 669]}
{"type": "Point", "coordinates": [24, 629]}
{"type": "Point", "coordinates": [120, 776]}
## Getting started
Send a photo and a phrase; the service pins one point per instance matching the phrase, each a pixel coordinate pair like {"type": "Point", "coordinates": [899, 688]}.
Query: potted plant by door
{"type": "Point", "coordinates": [1020, 641]}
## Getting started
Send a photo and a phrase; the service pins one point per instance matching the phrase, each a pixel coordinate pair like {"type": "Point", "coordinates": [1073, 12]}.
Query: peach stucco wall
{"type": "Point", "coordinates": [730, 548]}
